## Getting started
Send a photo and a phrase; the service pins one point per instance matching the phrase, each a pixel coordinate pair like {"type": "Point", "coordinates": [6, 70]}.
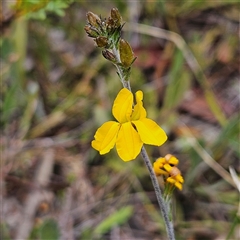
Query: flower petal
{"type": "Point", "coordinates": [171, 159]}
{"type": "Point", "coordinates": [122, 106]}
{"type": "Point", "coordinates": [168, 168]}
{"type": "Point", "coordinates": [150, 132]}
{"type": "Point", "coordinates": [105, 137]}
{"type": "Point", "coordinates": [128, 142]}
{"type": "Point", "coordinates": [161, 161]}
{"type": "Point", "coordinates": [157, 167]}
{"type": "Point", "coordinates": [174, 182]}
{"type": "Point", "coordinates": [139, 111]}
{"type": "Point", "coordinates": [179, 178]}
{"type": "Point", "coordinates": [178, 185]}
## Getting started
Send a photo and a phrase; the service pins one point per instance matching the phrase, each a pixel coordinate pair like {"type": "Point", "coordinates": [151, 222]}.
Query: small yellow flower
{"type": "Point", "coordinates": [175, 178]}
{"type": "Point", "coordinates": [131, 130]}
{"type": "Point", "coordinates": [158, 165]}
{"type": "Point", "coordinates": [167, 167]}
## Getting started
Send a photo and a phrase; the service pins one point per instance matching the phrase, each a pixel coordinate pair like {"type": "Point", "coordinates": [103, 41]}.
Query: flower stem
{"type": "Point", "coordinates": [163, 206]}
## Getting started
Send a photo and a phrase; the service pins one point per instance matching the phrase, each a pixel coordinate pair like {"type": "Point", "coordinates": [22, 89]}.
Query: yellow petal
{"type": "Point", "coordinates": [105, 137]}
{"type": "Point", "coordinates": [174, 182]}
{"type": "Point", "coordinates": [179, 178]}
{"type": "Point", "coordinates": [178, 185]}
{"type": "Point", "coordinates": [171, 180]}
{"type": "Point", "coordinates": [128, 142]}
{"type": "Point", "coordinates": [139, 96]}
{"type": "Point", "coordinates": [150, 132]}
{"type": "Point", "coordinates": [158, 169]}
{"type": "Point", "coordinates": [161, 161]}
{"type": "Point", "coordinates": [122, 106]}
{"type": "Point", "coordinates": [171, 159]}
{"type": "Point", "coordinates": [139, 111]}
{"type": "Point", "coordinates": [168, 168]}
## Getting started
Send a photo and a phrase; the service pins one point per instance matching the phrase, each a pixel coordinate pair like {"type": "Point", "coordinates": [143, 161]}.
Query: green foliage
{"type": "Point", "coordinates": [49, 230]}
{"type": "Point", "coordinates": [235, 225]}
{"type": "Point", "coordinates": [117, 218]}
{"type": "Point", "coordinates": [178, 84]}
{"type": "Point", "coordinates": [4, 231]}
{"type": "Point", "coordinates": [38, 9]}
{"type": "Point", "coordinates": [228, 137]}
{"type": "Point", "coordinates": [10, 102]}
{"type": "Point", "coordinates": [14, 48]}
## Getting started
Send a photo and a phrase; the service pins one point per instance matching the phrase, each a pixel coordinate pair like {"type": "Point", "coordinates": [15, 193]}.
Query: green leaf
{"type": "Point", "coordinates": [118, 218]}
{"type": "Point", "coordinates": [5, 233]}
{"type": "Point", "coordinates": [179, 82]}
{"type": "Point", "coordinates": [234, 227]}
{"type": "Point", "coordinates": [49, 230]}
{"type": "Point", "coordinates": [38, 9]}
{"type": "Point", "coordinates": [228, 137]}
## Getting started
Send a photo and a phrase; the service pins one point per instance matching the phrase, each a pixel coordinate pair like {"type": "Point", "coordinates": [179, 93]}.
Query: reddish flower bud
{"type": "Point", "coordinates": [93, 19]}
{"type": "Point", "coordinates": [110, 24]}
{"type": "Point", "coordinates": [91, 32]}
{"type": "Point", "coordinates": [116, 16]}
{"type": "Point", "coordinates": [101, 41]}
{"type": "Point", "coordinates": [109, 56]}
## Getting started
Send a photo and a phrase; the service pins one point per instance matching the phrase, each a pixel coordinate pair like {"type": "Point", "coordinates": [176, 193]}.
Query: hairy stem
{"type": "Point", "coordinates": [163, 206]}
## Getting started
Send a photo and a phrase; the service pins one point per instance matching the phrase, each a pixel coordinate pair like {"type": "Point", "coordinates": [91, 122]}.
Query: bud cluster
{"type": "Point", "coordinates": [104, 31]}
{"type": "Point", "coordinates": [107, 35]}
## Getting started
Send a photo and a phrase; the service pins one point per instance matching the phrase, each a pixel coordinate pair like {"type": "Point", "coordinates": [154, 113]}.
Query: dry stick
{"type": "Point", "coordinates": [207, 157]}
{"type": "Point", "coordinates": [37, 196]}
{"type": "Point", "coordinates": [235, 178]}
{"type": "Point", "coordinates": [65, 219]}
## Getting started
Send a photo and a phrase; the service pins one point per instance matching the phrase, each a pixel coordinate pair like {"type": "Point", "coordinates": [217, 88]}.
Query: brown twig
{"type": "Point", "coordinates": [36, 196]}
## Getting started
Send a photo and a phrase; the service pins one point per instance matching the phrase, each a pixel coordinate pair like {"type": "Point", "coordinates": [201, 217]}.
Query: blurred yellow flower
{"type": "Point", "coordinates": [158, 165]}
{"type": "Point", "coordinates": [175, 178]}
{"type": "Point", "coordinates": [167, 167]}
{"type": "Point", "coordinates": [131, 130]}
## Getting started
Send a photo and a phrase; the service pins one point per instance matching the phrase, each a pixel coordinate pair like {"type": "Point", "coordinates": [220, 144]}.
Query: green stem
{"type": "Point", "coordinates": [124, 81]}
{"type": "Point", "coordinates": [163, 206]}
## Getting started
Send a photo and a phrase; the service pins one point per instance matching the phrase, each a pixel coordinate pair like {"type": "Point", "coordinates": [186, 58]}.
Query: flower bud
{"type": "Point", "coordinates": [109, 56]}
{"type": "Point", "coordinates": [174, 172]}
{"type": "Point", "coordinates": [101, 41]}
{"type": "Point", "coordinates": [116, 16]}
{"type": "Point", "coordinates": [93, 19]}
{"type": "Point", "coordinates": [110, 24]}
{"type": "Point", "coordinates": [126, 53]}
{"type": "Point", "coordinates": [91, 32]}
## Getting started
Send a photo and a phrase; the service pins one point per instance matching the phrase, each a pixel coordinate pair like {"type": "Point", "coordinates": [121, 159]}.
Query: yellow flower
{"type": "Point", "coordinates": [158, 165]}
{"type": "Point", "coordinates": [131, 130]}
{"type": "Point", "coordinates": [175, 178]}
{"type": "Point", "coordinates": [167, 166]}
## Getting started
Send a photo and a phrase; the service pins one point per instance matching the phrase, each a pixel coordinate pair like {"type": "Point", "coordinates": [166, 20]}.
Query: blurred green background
{"type": "Point", "coordinates": [57, 89]}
